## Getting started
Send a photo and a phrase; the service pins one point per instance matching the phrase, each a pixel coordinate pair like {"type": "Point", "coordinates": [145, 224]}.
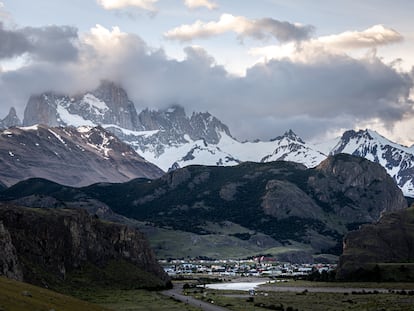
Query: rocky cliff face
{"type": "Point", "coordinates": [9, 263]}
{"type": "Point", "coordinates": [355, 189]}
{"type": "Point", "coordinates": [163, 129]}
{"type": "Point", "coordinates": [69, 156]}
{"type": "Point", "coordinates": [108, 104]}
{"type": "Point", "coordinates": [42, 109]}
{"type": "Point", "coordinates": [372, 250]}
{"type": "Point", "coordinates": [54, 244]}
{"type": "Point", "coordinates": [10, 120]}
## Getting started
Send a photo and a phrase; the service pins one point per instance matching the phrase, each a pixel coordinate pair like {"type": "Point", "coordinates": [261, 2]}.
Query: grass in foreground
{"type": "Point", "coordinates": [22, 296]}
{"type": "Point", "coordinates": [318, 302]}
{"type": "Point", "coordinates": [290, 301]}
{"type": "Point", "coordinates": [134, 300]}
{"type": "Point", "coordinates": [19, 296]}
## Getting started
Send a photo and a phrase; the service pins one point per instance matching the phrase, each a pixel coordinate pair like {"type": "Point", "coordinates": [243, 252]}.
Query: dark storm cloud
{"type": "Point", "coordinates": [308, 97]}
{"type": "Point", "coordinates": [51, 43]}
{"type": "Point", "coordinates": [338, 85]}
{"type": "Point", "coordinates": [12, 43]}
{"type": "Point", "coordinates": [327, 93]}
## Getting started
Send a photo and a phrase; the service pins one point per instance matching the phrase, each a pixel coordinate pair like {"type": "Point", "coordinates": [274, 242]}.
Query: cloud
{"type": "Point", "coordinates": [120, 4]}
{"type": "Point", "coordinates": [306, 50]}
{"type": "Point", "coordinates": [105, 42]}
{"type": "Point", "coordinates": [259, 29]}
{"type": "Point", "coordinates": [51, 43]}
{"type": "Point", "coordinates": [4, 15]}
{"type": "Point", "coordinates": [193, 4]}
{"type": "Point", "coordinates": [12, 43]}
{"type": "Point", "coordinates": [331, 86]}
{"type": "Point", "coordinates": [329, 91]}
{"type": "Point", "coordinates": [372, 37]}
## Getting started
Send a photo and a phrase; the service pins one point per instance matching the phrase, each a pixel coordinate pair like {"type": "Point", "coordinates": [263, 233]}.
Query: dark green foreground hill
{"type": "Point", "coordinates": [21, 296]}
{"type": "Point", "coordinates": [66, 250]}
{"type": "Point", "coordinates": [224, 211]}
{"type": "Point", "coordinates": [383, 251]}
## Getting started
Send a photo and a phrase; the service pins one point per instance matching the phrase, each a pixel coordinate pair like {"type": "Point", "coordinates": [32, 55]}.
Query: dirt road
{"type": "Point", "coordinates": [176, 293]}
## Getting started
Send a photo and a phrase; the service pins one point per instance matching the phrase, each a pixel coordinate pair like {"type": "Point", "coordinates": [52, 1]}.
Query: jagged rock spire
{"type": "Point", "coordinates": [291, 135]}
{"type": "Point", "coordinates": [11, 119]}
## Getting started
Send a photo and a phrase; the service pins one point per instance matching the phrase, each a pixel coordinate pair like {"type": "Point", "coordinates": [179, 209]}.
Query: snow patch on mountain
{"type": "Point", "coordinates": [69, 119]}
{"type": "Point", "coordinates": [94, 105]}
{"type": "Point", "coordinates": [192, 153]}
{"type": "Point", "coordinates": [34, 127]}
{"type": "Point", "coordinates": [229, 151]}
{"type": "Point", "coordinates": [326, 146]}
{"type": "Point", "coordinates": [246, 151]}
{"type": "Point", "coordinates": [57, 136]}
{"type": "Point", "coordinates": [113, 127]}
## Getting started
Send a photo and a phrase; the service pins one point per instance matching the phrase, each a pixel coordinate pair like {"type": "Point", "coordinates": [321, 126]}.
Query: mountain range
{"type": "Point", "coordinates": [279, 208]}
{"type": "Point", "coordinates": [171, 139]}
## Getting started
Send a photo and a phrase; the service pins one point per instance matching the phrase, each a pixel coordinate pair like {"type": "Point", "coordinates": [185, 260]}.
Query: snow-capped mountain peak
{"type": "Point", "coordinates": [290, 147]}
{"type": "Point", "coordinates": [108, 104]}
{"type": "Point", "coordinates": [398, 160]}
{"type": "Point", "coordinates": [289, 135]}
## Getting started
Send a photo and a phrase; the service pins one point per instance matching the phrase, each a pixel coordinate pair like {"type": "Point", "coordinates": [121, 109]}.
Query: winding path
{"type": "Point", "coordinates": [176, 293]}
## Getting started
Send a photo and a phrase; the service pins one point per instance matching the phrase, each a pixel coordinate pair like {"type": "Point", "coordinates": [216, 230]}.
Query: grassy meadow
{"type": "Point", "coordinates": [396, 299]}
{"type": "Point", "coordinates": [19, 296]}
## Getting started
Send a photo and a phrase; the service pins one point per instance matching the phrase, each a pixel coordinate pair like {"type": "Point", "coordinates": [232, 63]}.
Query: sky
{"type": "Point", "coordinates": [261, 66]}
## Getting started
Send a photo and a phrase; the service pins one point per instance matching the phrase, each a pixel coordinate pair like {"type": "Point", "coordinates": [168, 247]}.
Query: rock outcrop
{"type": "Point", "coordinates": [380, 251]}
{"type": "Point", "coordinates": [10, 120]}
{"type": "Point", "coordinates": [108, 104]}
{"type": "Point", "coordinates": [9, 263]}
{"type": "Point", "coordinates": [355, 189]}
{"type": "Point", "coordinates": [42, 109]}
{"type": "Point", "coordinates": [52, 245]}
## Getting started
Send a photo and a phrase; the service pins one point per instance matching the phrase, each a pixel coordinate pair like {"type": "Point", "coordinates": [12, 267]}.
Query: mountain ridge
{"type": "Point", "coordinates": [170, 139]}
{"type": "Point", "coordinates": [71, 156]}
{"type": "Point", "coordinates": [279, 203]}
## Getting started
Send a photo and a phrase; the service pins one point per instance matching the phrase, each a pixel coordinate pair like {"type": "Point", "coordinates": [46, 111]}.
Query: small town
{"type": "Point", "coordinates": [256, 267]}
